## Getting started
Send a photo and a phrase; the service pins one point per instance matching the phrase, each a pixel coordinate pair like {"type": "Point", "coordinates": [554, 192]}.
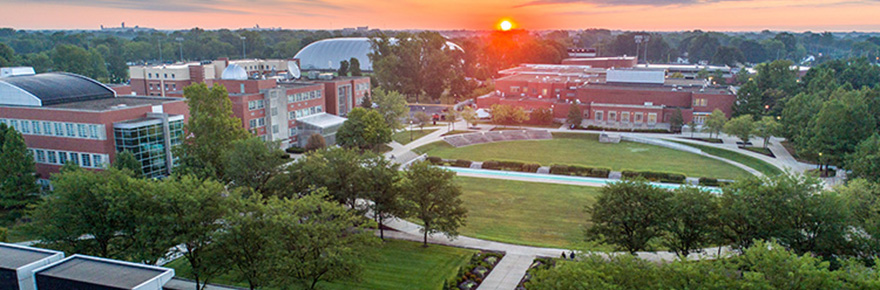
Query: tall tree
{"type": "Point", "coordinates": [715, 122]}
{"type": "Point", "coordinates": [355, 67]}
{"type": "Point", "coordinates": [435, 199]}
{"type": "Point", "coordinates": [627, 214]}
{"type": "Point", "coordinates": [383, 189]}
{"type": "Point", "coordinates": [767, 127]}
{"type": "Point", "coordinates": [212, 128]}
{"type": "Point", "coordinates": [422, 119]}
{"type": "Point", "coordinates": [691, 222]}
{"type": "Point", "coordinates": [676, 121]}
{"type": "Point", "coordinates": [125, 160]}
{"type": "Point", "coordinates": [339, 170]}
{"type": "Point", "coordinates": [743, 127]}
{"type": "Point", "coordinates": [343, 68]}
{"type": "Point", "coordinates": [247, 237]}
{"type": "Point", "coordinates": [469, 115]}
{"type": "Point", "coordinates": [839, 126]}
{"type": "Point", "coordinates": [18, 177]}
{"type": "Point", "coordinates": [364, 129]}
{"type": "Point", "coordinates": [252, 163]}
{"type": "Point", "coordinates": [391, 105]}
{"type": "Point", "coordinates": [865, 160]}
{"type": "Point", "coordinates": [575, 115]}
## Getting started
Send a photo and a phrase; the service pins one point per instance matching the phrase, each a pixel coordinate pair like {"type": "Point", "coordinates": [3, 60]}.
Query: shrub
{"type": "Point", "coordinates": [295, 150]}
{"type": "Point", "coordinates": [708, 181]}
{"type": "Point", "coordinates": [490, 164]}
{"type": "Point", "coordinates": [462, 163]}
{"type": "Point", "coordinates": [664, 177]}
{"type": "Point", "coordinates": [4, 235]}
{"type": "Point", "coordinates": [575, 170]}
{"type": "Point", "coordinates": [559, 169]}
{"type": "Point", "coordinates": [434, 160]}
{"type": "Point", "coordinates": [532, 167]}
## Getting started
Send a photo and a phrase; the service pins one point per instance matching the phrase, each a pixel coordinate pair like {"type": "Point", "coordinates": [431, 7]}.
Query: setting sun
{"type": "Point", "coordinates": [506, 25]}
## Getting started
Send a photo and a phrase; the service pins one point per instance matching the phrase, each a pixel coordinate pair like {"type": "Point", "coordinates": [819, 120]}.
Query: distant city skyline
{"type": "Point", "coordinates": [659, 15]}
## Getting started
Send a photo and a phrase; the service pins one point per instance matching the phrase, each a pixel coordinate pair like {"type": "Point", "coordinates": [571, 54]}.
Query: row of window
{"type": "Point", "coordinates": [361, 86]}
{"type": "Point", "coordinates": [700, 102]}
{"type": "Point", "coordinates": [158, 87]}
{"type": "Point", "coordinates": [61, 157]}
{"type": "Point", "coordinates": [255, 105]}
{"type": "Point", "coordinates": [299, 97]}
{"type": "Point", "coordinates": [293, 115]}
{"type": "Point", "coordinates": [256, 123]}
{"type": "Point", "coordinates": [150, 75]}
{"type": "Point", "coordinates": [48, 128]}
{"type": "Point", "coordinates": [625, 117]}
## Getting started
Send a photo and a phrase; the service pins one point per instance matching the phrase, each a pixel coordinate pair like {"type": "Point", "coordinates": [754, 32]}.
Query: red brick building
{"type": "Point", "coordinates": [629, 98]}
{"type": "Point", "coordinates": [170, 79]}
{"type": "Point", "coordinates": [70, 118]}
{"type": "Point", "coordinates": [603, 62]}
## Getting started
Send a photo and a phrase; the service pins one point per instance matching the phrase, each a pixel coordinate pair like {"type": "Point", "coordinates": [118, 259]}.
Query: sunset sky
{"type": "Point", "coordinates": [662, 15]}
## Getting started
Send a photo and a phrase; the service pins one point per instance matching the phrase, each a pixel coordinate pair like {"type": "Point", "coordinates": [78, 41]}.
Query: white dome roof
{"type": "Point", "coordinates": [327, 53]}
{"type": "Point", "coordinates": [234, 72]}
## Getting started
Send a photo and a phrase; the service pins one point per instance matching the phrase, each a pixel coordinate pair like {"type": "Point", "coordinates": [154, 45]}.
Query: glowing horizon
{"type": "Point", "coordinates": [661, 15]}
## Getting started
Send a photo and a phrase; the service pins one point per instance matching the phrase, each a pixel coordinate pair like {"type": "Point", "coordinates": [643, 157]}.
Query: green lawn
{"type": "Point", "coordinates": [585, 149]}
{"type": "Point", "coordinates": [399, 265]}
{"type": "Point", "coordinates": [754, 163]}
{"type": "Point", "coordinates": [526, 213]}
{"type": "Point", "coordinates": [403, 137]}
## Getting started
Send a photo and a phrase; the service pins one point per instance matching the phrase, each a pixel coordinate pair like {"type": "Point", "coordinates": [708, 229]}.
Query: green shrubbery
{"type": "Point", "coordinates": [471, 275]}
{"type": "Point", "coordinates": [462, 163]}
{"type": "Point", "coordinates": [575, 170]}
{"type": "Point", "coordinates": [295, 150]}
{"type": "Point", "coordinates": [664, 177]}
{"type": "Point", "coordinates": [510, 166]}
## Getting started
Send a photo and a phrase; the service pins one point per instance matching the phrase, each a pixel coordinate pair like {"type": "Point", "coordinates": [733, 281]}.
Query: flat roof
{"type": "Point", "coordinates": [59, 88]}
{"type": "Point", "coordinates": [658, 87]}
{"type": "Point", "coordinates": [15, 257]}
{"type": "Point", "coordinates": [322, 120]}
{"type": "Point", "coordinates": [115, 103]}
{"type": "Point", "coordinates": [102, 272]}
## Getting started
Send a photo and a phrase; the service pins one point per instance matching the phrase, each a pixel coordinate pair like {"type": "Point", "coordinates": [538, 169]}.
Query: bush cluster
{"type": "Point", "coordinates": [575, 170]}
{"type": "Point", "coordinates": [510, 166]}
{"type": "Point", "coordinates": [471, 275]}
{"type": "Point", "coordinates": [295, 150]}
{"type": "Point", "coordinates": [664, 177]}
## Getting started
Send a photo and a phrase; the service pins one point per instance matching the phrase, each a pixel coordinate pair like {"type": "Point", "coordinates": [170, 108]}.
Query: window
{"type": "Point", "coordinates": [291, 115]}
{"type": "Point", "coordinates": [150, 75]}
{"type": "Point", "coordinates": [93, 131]}
{"type": "Point", "coordinates": [151, 87]}
{"type": "Point", "coordinates": [254, 105]}
{"type": "Point", "coordinates": [172, 76]}
{"type": "Point", "coordinates": [311, 95]}
{"type": "Point", "coordinates": [71, 131]}
{"type": "Point", "coordinates": [598, 115]}
{"type": "Point", "coordinates": [274, 111]}
{"type": "Point", "coordinates": [26, 127]}
{"type": "Point", "coordinates": [293, 131]}
{"type": "Point", "coordinates": [261, 122]}
{"type": "Point", "coordinates": [291, 98]}
{"type": "Point", "coordinates": [166, 76]}
{"type": "Point", "coordinates": [652, 118]}
{"type": "Point", "coordinates": [320, 109]}
{"type": "Point", "coordinates": [241, 88]}
{"type": "Point", "coordinates": [699, 119]}
{"type": "Point", "coordinates": [47, 128]}
{"type": "Point", "coordinates": [81, 129]}
{"type": "Point", "coordinates": [624, 117]}
{"type": "Point", "coordinates": [514, 89]}
{"type": "Point", "coordinates": [62, 157]}
{"type": "Point", "coordinates": [74, 157]}
{"type": "Point", "coordinates": [274, 129]}
{"type": "Point", "coordinates": [41, 156]}
{"type": "Point", "coordinates": [612, 116]}
{"type": "Point", "coordinates": [53, 158]}
{"type": "Point", "coordinates": [319, 93]}
{"type": "Point", "coordinates": [14, 124]}
{"type": "Point", "coordinates": [639, 118]}
{"type": "Point", "coordinates": [86, 160]}
{"type": "Point", "coordinates": [701, 102]}
{"type": "Point", "coordinates": [252, 123]}
{"type": "Point", "coordinates": [37, 127]}
{"type": "Point", "coordinates": [98, 160]}
{"type": "Point", "coordinates": [59, 129]}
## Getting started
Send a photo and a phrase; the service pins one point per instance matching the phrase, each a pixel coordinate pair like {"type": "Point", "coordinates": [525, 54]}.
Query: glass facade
{"type": "Point", "coordinates": [147, 143]}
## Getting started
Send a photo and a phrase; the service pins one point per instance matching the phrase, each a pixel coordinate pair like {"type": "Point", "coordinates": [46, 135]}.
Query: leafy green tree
{"type": "Point", "coordinates": [543, 116]}
{"type": "Point", "coordinates": [317, 240]}
{"type": "Point", "coordinates": [865, 161]}
{"type": "Point", "coordinates": [212, 128]}
{"type": "Point", "coordinates": [7, 55]}
{"type": "Point", "coordinates": [4, 235]}
{"type": "Point", "coordinates": [691, 222]}
{"type": "Point", "coordinates": [343, 68]}
{"type": "Point", "coordinates": [391, 105]}
{"type": "Point", "coordinates": [451, 117]}
{"type": "Point", "coordinates": [769, 263]}
{"type": "Point", "coordinates": [728, 55]}
{"type": "Point", "coordinates": [434, 199]}
{"type": "Point", "coordinates": [598, 272]}
{"type": "Point", "coordinates": [252, 163]}
{"type": "Point", "coordinates": [75, 59]}
{"type": "Point", "coordinates": [715, 122]}
{"type": "Point", "coordinates": [125, 160]}
{"type": "Point", "coordinates": [575, 115]}
{"type": "Point", "coordinates": [469, 115]}
{"type": "Point", "coordinates": [422, 118]}
{"type": "Point", "coordinates": [507, 114]}
{"type": "Point", "coordinates": [355, 67]}
{"type": "Point", "coordinates": [841, 123]}
{"type": "Point", "coordinates": [367, 102]}
{"type": "Point", "coordinates": [383, 188]}
{"type": "Point", "coordinates": [767, 127]}
{"type": "Point", "coordinates": [742, 127]}
{"type": "Point", "coordinates": [692, 126]}
{"type": "Point", "coordinates": [676, 120]}
{"type": "Point", "coordinates": [628, 214]}
{"type": "Point", "coordinates": [247, 237]}
{"type": "Point", "coordinates": [18, 178]}
{"type": "Point", "coordinates": [364, 129]}
{"type": "Point", "coordinates": [862, 198]}
{"type": "Point", "coordinates": [339, 170]}
{"type": "Point", "coordinates": [315, 142]}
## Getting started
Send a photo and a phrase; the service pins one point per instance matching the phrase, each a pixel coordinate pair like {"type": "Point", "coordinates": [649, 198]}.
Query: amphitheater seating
{"type": "Point", "coordinates": [461, 140]}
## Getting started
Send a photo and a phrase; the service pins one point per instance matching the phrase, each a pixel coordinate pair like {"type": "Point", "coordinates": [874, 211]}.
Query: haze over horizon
{"type": "Point", "coordinates": [661, 15]}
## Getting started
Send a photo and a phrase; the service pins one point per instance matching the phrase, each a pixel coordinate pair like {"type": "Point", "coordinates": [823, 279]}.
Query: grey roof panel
{"type": "Point", "coordinates": [58, 88]}
{"type": "Point", "coordinates": [16, 257]}
{"type": "Point", "coordinates": [101, 272]}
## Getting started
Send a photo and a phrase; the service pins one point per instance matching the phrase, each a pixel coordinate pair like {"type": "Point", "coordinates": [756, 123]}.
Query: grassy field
{"type": "Point", "coordinates": [526, 213]}
{"type": "Point", "coordinates": [399, 265]}
{"type": "Point", "coordinates": [754, 163]}
{"type": "Point", "coordinates": [403, 137]}
{"type": "Point", "coordinates": [585, 149]}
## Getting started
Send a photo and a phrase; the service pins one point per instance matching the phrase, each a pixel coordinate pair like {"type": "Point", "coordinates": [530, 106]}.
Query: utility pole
{"type": "Point", "coordinates": [180, 42]}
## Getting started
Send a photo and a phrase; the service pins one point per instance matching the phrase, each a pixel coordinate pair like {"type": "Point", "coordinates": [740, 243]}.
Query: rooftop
{"type": "Point", "coordinates": [322, 120]}
{"type": "Point", "coordinates": [114, 103]}
{"type": "Point", "coordinates": [15, 257]}
{"type": "Point", "coordinates": [52, 88]}
{"type": "Point", "coordinates": [104, 272]}
{"type": "Point", "coordinates": [657, 87]}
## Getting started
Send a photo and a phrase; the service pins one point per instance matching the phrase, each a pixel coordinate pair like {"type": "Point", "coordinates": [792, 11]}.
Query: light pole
{"type": "Point", "coordinates": [243, 48]}
{"type": "Point", "coordinates": [180, 43]}
{"type": "Point", "coordinates": [410, 130]}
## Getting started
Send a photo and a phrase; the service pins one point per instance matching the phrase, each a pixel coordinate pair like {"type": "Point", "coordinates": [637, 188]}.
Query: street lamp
{"type": "Point", "coordinates": [243, 48]}
{"type": "Point", "coordinates": [410, 130]}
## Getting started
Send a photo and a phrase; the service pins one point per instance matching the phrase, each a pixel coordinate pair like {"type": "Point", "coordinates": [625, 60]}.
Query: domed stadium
{"type": "Point", "coordinates": [326, 54]}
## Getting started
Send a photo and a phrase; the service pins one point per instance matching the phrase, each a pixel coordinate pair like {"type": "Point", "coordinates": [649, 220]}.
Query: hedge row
{"type": "Point", "coordinates": [295, 150]}
{"type": "Point", "coordinates": [664, 177]}
{"type": "Point", "coordinates": [471, 275]}
{"type": "Point", "coordinates": [575, 170]}
{"type": "Point", "coordinates": [444, 162]}
{"type": "Point", "coordinates": [511, 166]}
{"type": "Point", "coordinates": [705, 181]}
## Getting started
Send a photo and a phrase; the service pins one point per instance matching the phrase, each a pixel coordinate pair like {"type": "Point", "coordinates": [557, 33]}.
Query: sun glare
{"type": "Point", "coordinates": [506, 25]}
